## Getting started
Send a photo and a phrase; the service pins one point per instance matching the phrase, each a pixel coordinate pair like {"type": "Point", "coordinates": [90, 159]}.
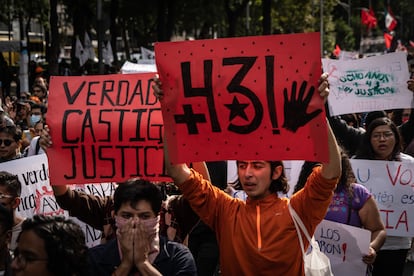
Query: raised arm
{"type": "Point", "coordinates": [331, 169]}
{"type": "Point", "coordinates": [178, 172]}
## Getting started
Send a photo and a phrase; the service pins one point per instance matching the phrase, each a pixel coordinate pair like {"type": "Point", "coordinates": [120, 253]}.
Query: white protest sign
{"type": "Point", "coordinates": [368, 84]}
{"type": "Point", "coordinates": [132, 68]}
{"type": "Point", "coordinates": [345, 246]}
{"type": "Point", "coordinates": [391, 184]}
{"type": "Point", "coordinates": [346, 55]}
{"type": "Point", "coordinates": [37, 195]}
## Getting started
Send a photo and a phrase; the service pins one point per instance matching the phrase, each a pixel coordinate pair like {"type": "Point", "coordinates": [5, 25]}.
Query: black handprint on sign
{"type": "Point", "coordinates": [295, 109]}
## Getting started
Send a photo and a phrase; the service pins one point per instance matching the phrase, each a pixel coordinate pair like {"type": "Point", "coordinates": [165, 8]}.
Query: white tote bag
{"type": "Point", "coordinates": [316, 262]}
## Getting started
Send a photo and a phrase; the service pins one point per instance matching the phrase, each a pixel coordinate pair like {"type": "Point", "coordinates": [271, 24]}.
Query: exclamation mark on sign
{"type": "Point", "coordinates": [344, 250]}
{"type": "Point", "coordinates": [270, 92]}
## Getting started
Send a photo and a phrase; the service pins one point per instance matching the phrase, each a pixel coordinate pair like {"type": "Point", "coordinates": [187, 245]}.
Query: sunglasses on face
{"type": "Point", "coordinates": [6, 142]}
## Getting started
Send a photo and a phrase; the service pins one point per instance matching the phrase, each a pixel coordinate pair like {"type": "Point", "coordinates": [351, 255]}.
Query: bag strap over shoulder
{"type": "Point", "coordinates": [301, 227]}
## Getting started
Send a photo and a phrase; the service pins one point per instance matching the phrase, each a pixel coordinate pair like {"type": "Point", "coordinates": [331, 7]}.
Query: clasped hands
{"type": "Point", "coordinates": [134, 243]}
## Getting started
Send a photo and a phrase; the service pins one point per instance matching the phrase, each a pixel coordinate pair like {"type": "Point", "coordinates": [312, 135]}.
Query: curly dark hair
{"type": "Point", "coordinates": [64, 243]}
{"type": "Point", "coordinates": [134, 190]}
{"type": "Point", "coordinates": [278, 185]}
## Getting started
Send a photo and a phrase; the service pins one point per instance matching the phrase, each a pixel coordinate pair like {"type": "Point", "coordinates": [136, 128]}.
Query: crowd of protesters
{"type": "Point", "coordinates": [149, 231]}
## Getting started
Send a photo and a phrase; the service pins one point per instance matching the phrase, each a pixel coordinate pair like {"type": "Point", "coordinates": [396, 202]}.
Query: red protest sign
{"type": "Point", "coordinates": [243, 98]}
{"type": "Point", "coordinates": [104, 128]}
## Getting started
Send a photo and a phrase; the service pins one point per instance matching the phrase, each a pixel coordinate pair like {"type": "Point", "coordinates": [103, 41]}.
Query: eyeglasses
{"type": "Point", "coordinates": [379, 135]}
{"type": "Point", "coordinates": [22, 259]}
{"type": "Point", "coordinates": [3, 196]}
{"type": "Point", "coordinates": [6, 142]}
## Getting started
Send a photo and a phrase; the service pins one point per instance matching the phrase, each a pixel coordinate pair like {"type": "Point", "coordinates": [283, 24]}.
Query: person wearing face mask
{"type": "Point", "coordinates": [138, 248]}
{"type": "Point", "coordinates": [36, 113]}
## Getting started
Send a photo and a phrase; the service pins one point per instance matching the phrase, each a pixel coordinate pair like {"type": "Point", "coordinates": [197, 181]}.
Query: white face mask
{"type": "Point", "coordinates": [35, 118]}
{"type": "Point", "coordinates": [151, 225]}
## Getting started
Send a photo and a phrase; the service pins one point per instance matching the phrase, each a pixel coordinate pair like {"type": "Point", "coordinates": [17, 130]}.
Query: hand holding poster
{"type": "Point", "coordinates": [104, 128]}
{"type": "Point", "coordinates": [391, 184]}
{"type": "Point", "coordinates": [250, 98]}
{"type": "Point", "coordinates": [368, 84]}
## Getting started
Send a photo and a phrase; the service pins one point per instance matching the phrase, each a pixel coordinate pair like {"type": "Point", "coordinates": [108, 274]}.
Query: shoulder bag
{"type": "Point", "coordinates": [316, 262]}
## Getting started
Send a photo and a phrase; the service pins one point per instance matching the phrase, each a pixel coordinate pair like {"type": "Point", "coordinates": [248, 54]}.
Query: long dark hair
{"type": "Point", "coordinates": [345, 182]}
{"type": "Point", "coordinates": [365, 150]}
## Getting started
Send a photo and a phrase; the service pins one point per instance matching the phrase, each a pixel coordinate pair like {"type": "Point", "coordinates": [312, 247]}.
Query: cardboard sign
{"type": "Point", "coordinates": [243, 98]}
{"type": "Point", "coordinates": [368, 84]}
{"type": "Point", "coordinates": [391, 184]}
{"type": "Point", "coordinates": [345, 246]}
{"type": "Point", "coordinates": [37, 195]}
{"type": "Point", "coordinates": [104, 128]}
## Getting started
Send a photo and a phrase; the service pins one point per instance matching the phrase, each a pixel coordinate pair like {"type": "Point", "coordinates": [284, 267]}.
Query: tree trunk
{"type": "Point", "coordinates": [161, 29]}
{"type": "Point", "coordinates": [54, 49]}
{"type": "Point", "coordinates": [170, 20]}
{"type": "Point", "coordinates": [79, 27]}
{"type": "Point", "coordinates": [267, 21]}
{"type": "Point", "coordinates": [113, 28]}
{"type": "Point", "coordinates": [234, 14]}
{"type": "Point", "coordinates": [125, 39]}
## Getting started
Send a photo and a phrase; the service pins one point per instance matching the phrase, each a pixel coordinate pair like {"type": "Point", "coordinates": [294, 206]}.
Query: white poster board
{"type": "Point", "coordinates": [391, 184]}
{"type": "Point", "coordinates": [368, 84]}
{"type": "Point", "coordinates": [37, 195]}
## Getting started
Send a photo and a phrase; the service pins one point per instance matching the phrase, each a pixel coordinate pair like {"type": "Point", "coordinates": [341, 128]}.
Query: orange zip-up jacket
{"type": "Point", "coordinates": [258, 237]}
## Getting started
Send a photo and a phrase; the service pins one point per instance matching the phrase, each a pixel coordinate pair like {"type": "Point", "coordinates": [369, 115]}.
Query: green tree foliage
{"type": "Point", "coordinates": [140, 23]}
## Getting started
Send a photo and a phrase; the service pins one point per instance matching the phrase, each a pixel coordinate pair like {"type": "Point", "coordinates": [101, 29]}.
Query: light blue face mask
{"type": "Point", "coordinates": [34, 119]}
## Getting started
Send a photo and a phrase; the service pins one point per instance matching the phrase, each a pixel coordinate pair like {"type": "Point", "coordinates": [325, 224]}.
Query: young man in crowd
{"type": "Point", "coordinates": [10, 142]}
{"type": "Point", "coordinates": [138, 248]}
{"type": "Point", "coordinates": [254, 236]}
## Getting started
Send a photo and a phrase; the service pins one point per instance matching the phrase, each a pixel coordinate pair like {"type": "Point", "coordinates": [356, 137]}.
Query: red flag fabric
{"type": "Point", "coordinates": [368, 18]}
{"type": "Point", "coordinates": [337, 50]}
{"type": "Point", "coordinates": [390, 21]}
{"type": "Point", "coordinates": [388, 39]}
